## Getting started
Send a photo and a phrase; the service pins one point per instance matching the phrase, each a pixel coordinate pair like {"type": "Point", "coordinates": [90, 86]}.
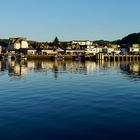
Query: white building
{"type": "Point", "coordinates": [31, 51]}
{"type": "Point", "coordinates": [135, 49]}
{"type": "Point", "coordinates": [92, 50]}
{"type": "Point", "coordinates": [17, 43]}
{"type": "Point", "coordinates": [112, 49]}
{"type": "Point", "coordinates": [108, 50]}
{"type": "Point", "coordinates": [83, 42]}
{"type": "Point", "coordinates": [117, 49]}
{"type": "Point", "coordinates": [49, 52]}
{"type": "Point", "coordinates": [73, 52]}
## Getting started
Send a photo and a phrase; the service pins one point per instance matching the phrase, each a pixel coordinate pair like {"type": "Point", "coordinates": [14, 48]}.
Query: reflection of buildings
{"type": "Point", "coordinates": [17, 69]}
{"type": "Point", "coordinates": [91, 66]}
{"type": "Point", "coordinates": [3, 65]}
{"type": "Point", "coordinates": [132, 69]}
{"type": "Point", "coordinates": [58, 67]}
{"type": "Point", "coordinates": [135, 68]}
{"type": "Point", "coordinates": [30, 65]}
{"type": "Point", "coordinates": [21, 68]}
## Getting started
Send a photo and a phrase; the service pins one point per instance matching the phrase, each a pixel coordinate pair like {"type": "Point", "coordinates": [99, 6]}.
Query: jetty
{"type": "Point", "coordinates": [114, 57]}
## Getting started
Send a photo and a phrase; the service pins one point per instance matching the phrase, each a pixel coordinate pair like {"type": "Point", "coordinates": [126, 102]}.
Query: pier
{"type": "Point", "coordinates": [120, 57]}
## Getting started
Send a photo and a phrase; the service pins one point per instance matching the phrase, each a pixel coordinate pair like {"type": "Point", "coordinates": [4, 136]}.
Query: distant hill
{"type": "Point", "coordinates": [133, 38]}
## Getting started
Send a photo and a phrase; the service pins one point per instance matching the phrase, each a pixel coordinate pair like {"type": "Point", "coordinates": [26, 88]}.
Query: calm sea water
{"type": "Point", "coordinates": [69, 101]}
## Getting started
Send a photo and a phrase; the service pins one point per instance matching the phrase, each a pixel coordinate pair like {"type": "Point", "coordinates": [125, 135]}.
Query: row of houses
{"type": "Point", "coordinates": [93, 48]}
{"type": "Point", "coordinates": [18, 45]}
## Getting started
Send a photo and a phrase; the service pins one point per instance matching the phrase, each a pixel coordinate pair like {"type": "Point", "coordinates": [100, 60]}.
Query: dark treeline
{"type": "Point", "coordinates": [4, 42]}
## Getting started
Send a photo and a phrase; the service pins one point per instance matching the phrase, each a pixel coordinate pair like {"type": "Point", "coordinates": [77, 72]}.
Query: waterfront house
{"type": "Point", "coordinates": [117, 48]}
{"type": "Point", "coordinates": [31, 51]}
{"type": "Point", "coordinates": [92, 50]}
{"type": "Point", "coordinates": [111, 49]}
{"type": "Point", "coordinates": [107, 50]}
{"type": "Point", "coordinates": [49, 52]}
{"type": "Point", "coordinates": [44, 51]}
{"type": "Point", "coordinates": [83, 42]}
{"type": "Point", "coordinates": [60, 51]}
{"type": "Point", "coordinates": [79, 47]}
{"type": "Point", "coordinates": [17, 43]}
{"type": "Point", "coordinates": [74, 48]}
{"type": "Point", "coordinates": [74, 52]}
{"type": "Point", "coordinates": [99, 49]}
{"type": "Point", "coordinates": [134, 49]}
{"type": "Point", "coordinates": [44, 46]}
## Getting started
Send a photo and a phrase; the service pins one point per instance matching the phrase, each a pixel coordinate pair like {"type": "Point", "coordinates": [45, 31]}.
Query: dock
{"type": "Point", "coordinates": [114, 57]}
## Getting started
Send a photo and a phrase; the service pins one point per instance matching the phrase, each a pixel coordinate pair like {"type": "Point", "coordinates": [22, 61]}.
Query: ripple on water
{"type": "Point", "coordinates": [76, 101]}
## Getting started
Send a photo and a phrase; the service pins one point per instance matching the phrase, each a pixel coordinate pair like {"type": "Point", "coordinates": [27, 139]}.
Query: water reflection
{"type": "Point", "coordinates": [21, 68]}
{"type": "Point", "coordinates": [132, 69]}
{"type": "Point", "coordinates": [17, 68]}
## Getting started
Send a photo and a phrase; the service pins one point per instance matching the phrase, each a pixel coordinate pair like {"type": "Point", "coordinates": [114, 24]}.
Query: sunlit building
{"type": "Point", "coordinates": [17, 43]}
{"type": "Point", "coordinates": [134, 49]}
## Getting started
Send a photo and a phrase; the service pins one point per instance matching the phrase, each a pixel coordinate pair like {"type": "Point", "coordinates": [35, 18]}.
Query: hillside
{"type": "Point", "coordinates": [133, 38]}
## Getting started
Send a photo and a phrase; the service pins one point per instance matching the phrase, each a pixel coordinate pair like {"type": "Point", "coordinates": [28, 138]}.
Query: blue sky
{"type": "Point", "coordinates": [42, 20]}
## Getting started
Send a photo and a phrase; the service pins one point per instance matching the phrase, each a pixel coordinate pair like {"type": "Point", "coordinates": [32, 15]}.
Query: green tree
{"type": "Point", "coordinates": [56, 43]}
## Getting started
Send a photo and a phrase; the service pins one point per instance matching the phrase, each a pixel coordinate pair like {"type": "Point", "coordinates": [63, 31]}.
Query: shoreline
{"type": "Point", "coordinates": [97, 57]}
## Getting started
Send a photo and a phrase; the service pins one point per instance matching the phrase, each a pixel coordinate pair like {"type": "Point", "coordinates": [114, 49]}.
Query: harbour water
{"type": "Point", "coordinates": [69, 100]}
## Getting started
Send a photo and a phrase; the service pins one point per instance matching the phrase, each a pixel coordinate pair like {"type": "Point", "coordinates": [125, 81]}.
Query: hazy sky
{"type": "Point", "coordinates": [69, 19]}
